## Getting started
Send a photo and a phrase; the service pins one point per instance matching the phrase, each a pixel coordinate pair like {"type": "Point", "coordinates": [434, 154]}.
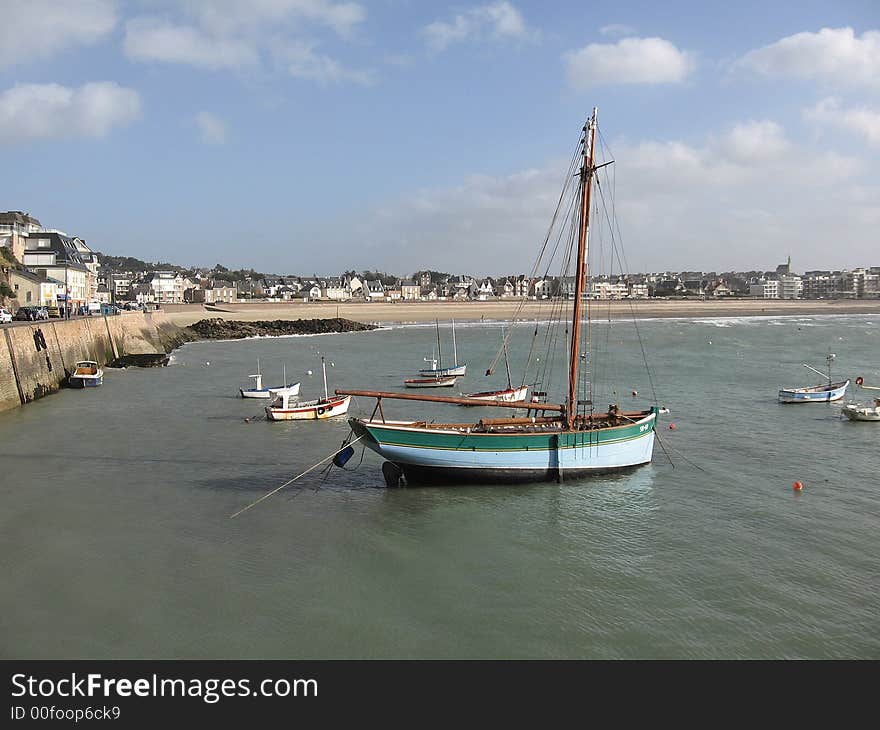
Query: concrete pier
{"type": "Point", "coordinates": [36, 358]}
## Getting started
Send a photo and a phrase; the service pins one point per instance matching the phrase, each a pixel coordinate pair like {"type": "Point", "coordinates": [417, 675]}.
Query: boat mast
{"type": "Point", "coordinates": [454, 348]}
{"type": "Point", "coordinates": [324, 370]}
{"type": "Point", "coordinates": [439, 346]}
{"type": "Point", "coordinates": [506, 361]}
{"type": "Point", "coordinates": [586, 174]}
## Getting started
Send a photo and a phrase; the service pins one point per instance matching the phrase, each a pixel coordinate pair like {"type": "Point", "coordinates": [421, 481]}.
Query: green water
{"type": "Point", "coordinates": [115, 539]}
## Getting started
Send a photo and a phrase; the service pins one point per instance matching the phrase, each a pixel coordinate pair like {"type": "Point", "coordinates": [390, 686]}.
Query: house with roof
{"type": "Point", "coordinates": [373, 290]}
{"type": "Point", "coordinates": [56, 255]}
{"type": "Point", "coordinates": [410, 291]}
{"type": "Point", "coordinates": [15, 228]}
{"type": "Point", "coordinates": [34, 289]}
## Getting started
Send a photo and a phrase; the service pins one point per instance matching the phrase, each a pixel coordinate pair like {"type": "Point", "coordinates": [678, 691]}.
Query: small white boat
{"type": "Point", "coordinates": [859, 412]}
{"type": "Point", "coordinates": [285, 407]}
{"type": "Point", "coordinates": [438, 381]}
{"type": "Point", "coordinates": [258, 391]}
{"type": "Point", "coordinates": [437, 372]}
{"type": "Point", "coordinates": [816, 393]}
{"type": "Point", "coordinates": [86, 374]}
{"type": "Point", "coordinates": [508, 395]}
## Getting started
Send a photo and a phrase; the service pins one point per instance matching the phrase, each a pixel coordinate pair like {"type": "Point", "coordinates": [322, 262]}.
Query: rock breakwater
{"type": "Point", "coordinates": [217, 328]}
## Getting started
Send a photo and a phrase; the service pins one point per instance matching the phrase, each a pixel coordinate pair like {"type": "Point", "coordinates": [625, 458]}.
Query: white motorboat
{"type": "Point", "coordinates": [86, 374]}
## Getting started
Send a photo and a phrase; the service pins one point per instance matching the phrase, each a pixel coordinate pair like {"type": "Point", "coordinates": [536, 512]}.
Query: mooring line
{"type": "Point", "coordinates": [291, 481]}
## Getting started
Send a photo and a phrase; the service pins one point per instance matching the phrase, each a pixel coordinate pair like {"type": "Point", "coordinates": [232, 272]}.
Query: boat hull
{"type": "Point", "coordinates": [85, 381]}
{"type": "Point", "coordinates": [510, 395]}
{"type": "Point", "coordinates": [444, 372]}
{"type": "Point", "coordinates": [267, 392]}
{"type": "Point", "coordinates": [816, 394]}
{"type": "Point", "coordinates": [310, 410]}
{"type": "Point", "coordinates": [441, 382]}
{"type": "Point", "coordinates": [456, 456]}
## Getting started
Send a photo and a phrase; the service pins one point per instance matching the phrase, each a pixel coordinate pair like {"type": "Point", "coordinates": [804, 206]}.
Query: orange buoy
{"type": "Point", "coordinates": [797, 486]}
{"type": "Point", "coordinates": [671, 426]}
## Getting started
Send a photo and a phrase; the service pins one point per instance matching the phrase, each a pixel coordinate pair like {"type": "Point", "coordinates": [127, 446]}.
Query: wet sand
{"type": "Point", "coordinates": [386, 313]}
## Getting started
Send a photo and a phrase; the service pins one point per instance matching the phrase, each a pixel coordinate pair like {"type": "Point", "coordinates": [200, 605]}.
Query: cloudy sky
{"type": "Point", "coordinates": [314, 136]}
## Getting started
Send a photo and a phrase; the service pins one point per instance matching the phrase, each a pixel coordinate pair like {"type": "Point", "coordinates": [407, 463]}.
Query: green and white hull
{"type": "Point", "coordinates": [455, 454]}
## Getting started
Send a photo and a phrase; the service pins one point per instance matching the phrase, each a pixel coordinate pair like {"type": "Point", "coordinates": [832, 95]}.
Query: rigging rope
{"type": "Point", "coordinates": [291, 481]}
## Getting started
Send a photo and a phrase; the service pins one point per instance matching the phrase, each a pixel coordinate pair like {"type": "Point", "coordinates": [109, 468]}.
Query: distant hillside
{"type": "Point", "coordinates": [130, 263]}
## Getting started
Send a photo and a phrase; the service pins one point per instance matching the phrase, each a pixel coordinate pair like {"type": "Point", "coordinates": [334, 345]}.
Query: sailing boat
{"type": "Point", "coordinates": [554, 441]}
{"type": "Point", "coordinates": [436, 377]}
{"type": "Point", "coordinates": [455, 369]}
{"type": "Point", "coordinates": [284, 407]}
{"type": "Point", "coordinates": [510, 393]}
{"type": "Point", "coordinates": [258, 391]}
{"type": "Point", "coordinates": [824, 393]}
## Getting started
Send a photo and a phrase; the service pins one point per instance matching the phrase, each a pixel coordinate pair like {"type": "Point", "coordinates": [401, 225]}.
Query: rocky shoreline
{"type": "Point", "coordinates": [218, 328]}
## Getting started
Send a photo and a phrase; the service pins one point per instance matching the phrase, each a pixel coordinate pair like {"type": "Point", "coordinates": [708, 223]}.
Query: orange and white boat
{"type": "Point", "coordinates": [285, 407]}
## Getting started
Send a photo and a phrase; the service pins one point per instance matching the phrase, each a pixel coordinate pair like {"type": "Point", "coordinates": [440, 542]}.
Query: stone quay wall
{"type": "Point", "coordinates": [36, 358]}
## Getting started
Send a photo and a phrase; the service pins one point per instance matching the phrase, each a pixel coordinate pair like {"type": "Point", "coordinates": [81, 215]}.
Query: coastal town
{"type": "Point", "coordinates": [46, 268]}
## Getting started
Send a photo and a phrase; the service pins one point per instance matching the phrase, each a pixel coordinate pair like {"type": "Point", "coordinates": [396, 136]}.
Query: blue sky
{"type": "Point", "coordinates": [311, 136]}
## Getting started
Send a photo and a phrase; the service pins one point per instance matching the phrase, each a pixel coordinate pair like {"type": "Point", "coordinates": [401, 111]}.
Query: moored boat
{"type": "Point", "coordinates": [258, 391]}
{"type": "Point", "coordinates": [434, 370]}
{"type": "Point", "coordinates": [508, 395]}
{"type": "Point", "coordinates": [823, 393]}
{"type": "Point", "coordinates": [859, 412]}
{"type": "Point", "coordinates": [285, 407]}
{"type": "Point", "coordinates": [554, 441]}
{"type": "Point", "coordinates": [435, 381]}
{"type": "Point", "coordinates": [86, 374]}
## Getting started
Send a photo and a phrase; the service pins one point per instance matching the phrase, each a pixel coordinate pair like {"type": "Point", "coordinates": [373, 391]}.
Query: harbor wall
{"type": "Point", "coordinates": [36, 358]}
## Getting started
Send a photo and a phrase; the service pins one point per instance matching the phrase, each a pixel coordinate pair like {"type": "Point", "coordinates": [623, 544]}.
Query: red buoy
{"type": "Point", "coordinates": [797, 486]}
{"type": "Point", "coordinates": [671, 426]}
{"type": "Point", "coordinates": [860, 380]}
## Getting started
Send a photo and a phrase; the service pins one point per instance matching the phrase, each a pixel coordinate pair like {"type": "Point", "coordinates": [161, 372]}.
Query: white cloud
{"type": "Point", "coordinates": [228, 34]}
{"type": "Point", "coordinates": [233, 16]}
{"type": "Point", "coordinates": [497, 20]}
{"type": "Point", "coordinates": [212, 130]}
{"type": "Point", "coordinates": [629, 61]}
{"type": "Point", "coordinates": [742, 198]}
{"type": "Point", "coordinates": [52, 111]}
{"type": "Point", "coordinates": [36, 29]}
{"type": "Point", "coordinates": [303, 62]}
{"type": "Point", "coordinates": [862, 121]}
{"type": "Point", "coordinates": [833, 55]}
{"type": "Point", "coordinates": [153, 39]}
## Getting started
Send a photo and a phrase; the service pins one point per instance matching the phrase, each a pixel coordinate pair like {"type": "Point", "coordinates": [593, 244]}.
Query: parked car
{"type": "Point", "coordinates": [30, 313]}
{"type": "Point", "coordinates": [5, 315]}
{"type": "Point", "coordinates": [53, 311]}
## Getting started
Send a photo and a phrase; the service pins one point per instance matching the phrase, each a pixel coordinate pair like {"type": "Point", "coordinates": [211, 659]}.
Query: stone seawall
{"type": "Point", "coordinates": [35, 359]}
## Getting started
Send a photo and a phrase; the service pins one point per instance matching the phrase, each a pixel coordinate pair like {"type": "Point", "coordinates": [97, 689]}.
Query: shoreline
{"type": "Point", "coordinates": [385, 313]}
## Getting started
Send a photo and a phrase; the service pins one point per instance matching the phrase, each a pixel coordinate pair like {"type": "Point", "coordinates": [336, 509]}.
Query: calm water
{"type": "Point", "coordinates": [115, 539]}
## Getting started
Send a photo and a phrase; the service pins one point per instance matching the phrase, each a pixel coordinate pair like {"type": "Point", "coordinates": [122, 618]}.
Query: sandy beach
{"type": "Point", "coordinates": [402, 312]}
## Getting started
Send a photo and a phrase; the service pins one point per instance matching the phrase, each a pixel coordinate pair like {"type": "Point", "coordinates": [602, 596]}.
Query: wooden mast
{"type": "Point", "coordinates": [581, 270]}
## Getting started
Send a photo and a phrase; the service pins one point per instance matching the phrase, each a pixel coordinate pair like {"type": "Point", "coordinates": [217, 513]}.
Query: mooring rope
{"type": "Point", "coordinates": [291, 481]}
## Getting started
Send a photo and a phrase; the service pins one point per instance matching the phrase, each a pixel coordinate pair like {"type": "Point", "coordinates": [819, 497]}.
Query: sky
{"type": "Point", "coordinates": [316, 136]}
